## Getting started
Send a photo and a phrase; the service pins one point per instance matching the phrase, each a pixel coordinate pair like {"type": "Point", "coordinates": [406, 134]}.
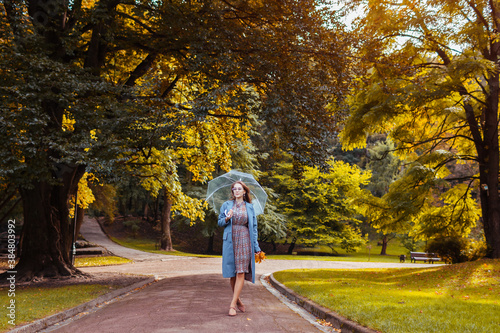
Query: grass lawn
{"type": "Point", "coordinates": [447, 298]}
{"type": "Point", "coordinates": [100, 261]}
{"type": "Point", "coordinates": [34, 303]}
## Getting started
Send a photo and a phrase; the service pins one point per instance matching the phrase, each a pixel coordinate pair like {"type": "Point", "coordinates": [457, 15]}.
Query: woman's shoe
{"type": "Point", "coordinates": [240, 306]}
{"type": "Point", "coordinates": [232, 311]}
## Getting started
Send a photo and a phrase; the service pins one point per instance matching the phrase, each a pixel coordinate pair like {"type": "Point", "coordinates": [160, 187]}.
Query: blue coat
{"type": "Point", "coordinates": [228, 267]}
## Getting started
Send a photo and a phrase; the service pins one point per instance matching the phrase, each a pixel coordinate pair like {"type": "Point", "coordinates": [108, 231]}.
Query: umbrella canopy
{"type": "Point", "coordinates": [219, 190]}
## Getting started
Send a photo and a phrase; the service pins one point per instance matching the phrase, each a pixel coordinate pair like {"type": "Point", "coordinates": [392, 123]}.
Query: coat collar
{"type": "Point", "coordinates": [248, 205]}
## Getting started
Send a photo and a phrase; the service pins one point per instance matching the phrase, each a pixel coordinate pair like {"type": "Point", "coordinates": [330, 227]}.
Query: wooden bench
{"type": "Point", "coordinates": [424, 256]}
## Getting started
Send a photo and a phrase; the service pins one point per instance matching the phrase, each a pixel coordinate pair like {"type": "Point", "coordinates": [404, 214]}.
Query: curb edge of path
{"type": "Point", "coordinates": [339, 322]}
{"type": "Point", "coordinates": [44, 323]}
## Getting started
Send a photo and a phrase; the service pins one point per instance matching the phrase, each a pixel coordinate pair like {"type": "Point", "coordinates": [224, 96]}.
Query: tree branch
{"type": "Point", "coordinates": [171, 86]}
{"type": "Point", "coordinates": [141, 69]}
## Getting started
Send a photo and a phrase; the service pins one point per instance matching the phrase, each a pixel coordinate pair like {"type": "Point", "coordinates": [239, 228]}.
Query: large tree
{"type": "Point", "coordinates": [432, 82]}
{"type": "Point", "coordinates": [103, 86]}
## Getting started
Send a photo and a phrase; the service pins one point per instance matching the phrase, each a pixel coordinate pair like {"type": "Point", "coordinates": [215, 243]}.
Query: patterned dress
{"type": "Point", "coordinates": [241, 238]}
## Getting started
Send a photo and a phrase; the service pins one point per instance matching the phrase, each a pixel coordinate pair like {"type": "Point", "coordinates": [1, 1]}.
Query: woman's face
{"type": "Point", "coordinates": [238, 191]}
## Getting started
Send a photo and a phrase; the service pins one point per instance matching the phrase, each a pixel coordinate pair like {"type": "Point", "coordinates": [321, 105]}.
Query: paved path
{"type": "Point", "coordinates": [193, 303]}
{"type": "Point", "coordinates": [93, 233]}
{"type": "Point", "coordinates": [192, 296]}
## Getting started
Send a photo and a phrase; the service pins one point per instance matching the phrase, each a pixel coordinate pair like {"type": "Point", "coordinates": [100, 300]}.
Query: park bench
{"type": "Point", "coordinates": [424, 256]}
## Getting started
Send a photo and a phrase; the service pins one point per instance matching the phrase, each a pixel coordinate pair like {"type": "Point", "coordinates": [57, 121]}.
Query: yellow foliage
{"type": "Point", "coordinates": [85, 195]}
{"type": "Point", "coordinates": [68, 122]}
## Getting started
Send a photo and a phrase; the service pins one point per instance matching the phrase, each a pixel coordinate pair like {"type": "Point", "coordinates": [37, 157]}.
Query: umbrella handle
{"type": "Point", "coordinates": [226, 213]}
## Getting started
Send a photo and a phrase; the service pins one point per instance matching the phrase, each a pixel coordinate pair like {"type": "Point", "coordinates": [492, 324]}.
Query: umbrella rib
{"type": "Point", "coordinates": [218, 188]}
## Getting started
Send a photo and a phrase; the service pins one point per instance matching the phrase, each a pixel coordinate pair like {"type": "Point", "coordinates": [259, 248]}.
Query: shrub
{"type": "Point", "coordinates": [457, 249]}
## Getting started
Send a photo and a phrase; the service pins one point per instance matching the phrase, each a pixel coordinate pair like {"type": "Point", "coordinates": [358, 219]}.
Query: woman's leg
{"type": "Point", "coordinates": [239, 303]}
{"type": "Point", "coordinates": [237, 287]}
{"type": "Point", "coordinates": [232, 281]}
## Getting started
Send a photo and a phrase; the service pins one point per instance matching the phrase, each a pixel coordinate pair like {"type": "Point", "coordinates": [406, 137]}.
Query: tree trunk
{"type": "Point", "coordinates": [385, 240]}
{"type": "Point", "coordinates": [291, 247]}
{"type": "Point", "coordinates": [210, 248]}
{"type": "Point", "coordinates": [47, 232]}
{"type": "Point", "coordinates": [274, 245]}
{"type": "Point", "coordinates": [145, 213]}
{"type": "Point", "coordinates": [79, 220]}
{"type": "Point", "coordinates": [157, 208]}
{"type": "Point", "coordinates": [166, 238]}
{"type": "Point", "coordinates": [489, 170]}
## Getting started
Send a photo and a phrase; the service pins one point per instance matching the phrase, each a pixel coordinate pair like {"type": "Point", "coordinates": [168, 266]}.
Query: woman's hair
{"type": "Point", "coordinates": [247, 197]}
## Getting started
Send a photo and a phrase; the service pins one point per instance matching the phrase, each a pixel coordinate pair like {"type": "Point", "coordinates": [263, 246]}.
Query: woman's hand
{"type": "Point", "coordinates": [229, 214]}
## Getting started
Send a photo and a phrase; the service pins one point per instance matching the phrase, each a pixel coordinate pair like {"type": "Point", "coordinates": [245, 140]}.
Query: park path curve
{"type": "Point", "coordinates": [191, 295]}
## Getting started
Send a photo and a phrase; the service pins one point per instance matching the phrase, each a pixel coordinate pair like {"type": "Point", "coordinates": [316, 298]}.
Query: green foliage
{"type": "Point", "coordinates": [410, 243]}
{"type": "Point", "coordinates": [447, 298]}
{"type": "Point", "coordinates": [384, 166]}
{"type": "Point", "coordinates": [272, 224]}
{"type": "Point", "coordinates": [10, 204]}
{"type": "Point", "coordinates": [319, 205]}
{"type": "Point", "coordinates": [133, 225]}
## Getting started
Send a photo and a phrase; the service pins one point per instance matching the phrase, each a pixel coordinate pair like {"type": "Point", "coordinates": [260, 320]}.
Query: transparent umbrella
{"type": "Point", "coordinates": [219, 190]}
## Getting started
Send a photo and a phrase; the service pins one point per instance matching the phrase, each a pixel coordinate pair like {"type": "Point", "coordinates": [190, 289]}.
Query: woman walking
{"type": "Point", "coordinates": [240, 243]}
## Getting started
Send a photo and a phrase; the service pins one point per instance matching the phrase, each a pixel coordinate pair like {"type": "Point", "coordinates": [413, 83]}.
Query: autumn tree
{"type": "Point", "coordinates": [111, 87]}
{"type": "Point", "coordinates": [431, 81]}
